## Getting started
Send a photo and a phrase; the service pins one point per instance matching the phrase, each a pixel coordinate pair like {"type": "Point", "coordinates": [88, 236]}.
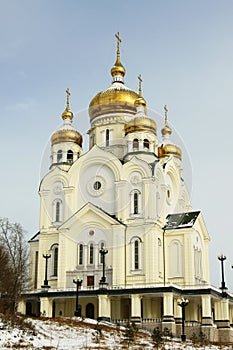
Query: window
{"type": "Point", "coordinates": [146, 144]}
{"type": "Point", "coordinates": [80, 254]}
{"type": "Point", "coordinates": [55, 261]}
{"type": "Point", "coordinates": [91, 254]}
{"type": "Point", "coordinates": [107, 137]}
{"type": "Point", "coordinates": [59, 155]}
{"type": "Point", "coordinates": [58, 211]}
{"type": "Point", "coordinates": [135, 144]}
{"type": "Point", "coordinates": [136, 255]}
{"type": "Point", "coordinates": [70, 156]}
{"type": "Point", "coordinates": [97, 185]}
{"type": "Point", "coordinates": [135, 203]}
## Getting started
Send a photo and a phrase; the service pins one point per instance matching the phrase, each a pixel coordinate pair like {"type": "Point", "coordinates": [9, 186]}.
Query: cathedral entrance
{"type": "Point", "coordinates": [90, 311]}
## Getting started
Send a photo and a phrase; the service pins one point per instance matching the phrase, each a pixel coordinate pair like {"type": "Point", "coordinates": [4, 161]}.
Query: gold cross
{"type": "Point", "coordinates": [140, 84]}
{"type": "Point", "coordinates": [166, 112]}
{"type": "Point", "coordinates": [117, 35]}
{"type": "Point", "coordinates": [67, 98]}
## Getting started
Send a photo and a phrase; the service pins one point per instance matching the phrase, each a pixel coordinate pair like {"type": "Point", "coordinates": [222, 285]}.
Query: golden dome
{"type": "Point", "coordinates": [118, 69]}
{"type": "Point", "coordinates": [167, 150]}
{"type": "Point", "coordinates": [116, 99]}
{"type": "Point", "coordinates": [141, 124]}
{"type": "Point", "coordinates": [166, 130]}
{"type": "Point", "coordinates": [69, 135]}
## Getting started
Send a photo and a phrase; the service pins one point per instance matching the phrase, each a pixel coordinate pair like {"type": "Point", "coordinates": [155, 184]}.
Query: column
{"type": "Point", "coordinates": [206, 317]}
{"type": "Point", "coordinates": [168, 320]}
{"type": "Point", "coordinates": [21, 308]}
{"type": "Point", "coordinates": [46, 306]}
{"type": "Point", "coordinates": [104, 313]}
{"type": "Point", "coordinates": [221, 308]}
{"type": "Point", "coordinates": [135, 308]}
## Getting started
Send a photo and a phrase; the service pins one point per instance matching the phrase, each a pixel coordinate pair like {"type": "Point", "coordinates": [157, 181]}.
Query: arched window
{"type": "Point", "coordinates": [146, 144]}
{"type": "Point", "coordinates": [135, 203]}
{"type": "Point", "coordinates": [136, 255]}
{"type": "Point", "coordinates": [107, 137]}
{"type": "Point", "coordinates": [54, 260]}
{"type": "Point", "coordinates": [135, 144]}
{"type": "Point", "coordinates": [175, 259]}
{"type": "Point", "coordinates": [59, 155]}
{"type": "Point", "coordinates": [91, 254]}
{"type": "Point", "coordinates": [70, 156]}
{"type": "Point", "coordinates": [160, 256]}
{"type": "Point", "coordinates": [58, 211]}
{"type": "Point", "coordinates": [80, 254]}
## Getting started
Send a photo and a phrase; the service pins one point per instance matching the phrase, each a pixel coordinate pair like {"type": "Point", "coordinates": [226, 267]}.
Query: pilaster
{"type": "Point", "coordinates": [104, 308]}
{"type": "Point", "coordinates": [136, 308]}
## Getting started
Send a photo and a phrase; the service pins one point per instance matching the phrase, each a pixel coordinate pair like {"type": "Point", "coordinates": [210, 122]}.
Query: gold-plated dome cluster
{"type": "Point", "coordinates": [117, 98]}
{"type": "Point", "coordinates": [167, 149]}
{"type": "Point", "coordinates": [67, 133]}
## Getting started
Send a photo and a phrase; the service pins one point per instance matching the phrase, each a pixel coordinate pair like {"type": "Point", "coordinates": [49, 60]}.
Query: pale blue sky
{"type": "Point", "coordinates": [184, 51]}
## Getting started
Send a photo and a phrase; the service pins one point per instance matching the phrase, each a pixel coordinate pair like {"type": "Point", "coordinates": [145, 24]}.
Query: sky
{"type": "Point", "coordinates": [182, 48]}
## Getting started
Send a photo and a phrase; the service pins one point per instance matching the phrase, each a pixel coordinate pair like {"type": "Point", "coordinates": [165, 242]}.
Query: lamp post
{"type": "Point", "coordinates": [183, 303]}
{"type": "Point", "coordinates": [46, 257]}
{"type": "Point", "coordinates": [103, 252]}
{"type": "Point", "coordinates": [77, 308]}
{"type": "Point", "coordinates": [221, 258]}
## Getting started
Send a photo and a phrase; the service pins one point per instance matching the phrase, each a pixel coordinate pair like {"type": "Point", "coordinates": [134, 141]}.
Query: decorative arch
{"type": "Point", "coordinates": [70, 156]}
{"type": "Point", "coordinates": [135, 144]}
{"type": "Point", "coordinates": [146, 144]}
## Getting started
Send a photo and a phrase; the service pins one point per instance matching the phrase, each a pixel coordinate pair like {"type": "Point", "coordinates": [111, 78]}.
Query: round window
{"type": "Point", "coordinates": [97, 185]}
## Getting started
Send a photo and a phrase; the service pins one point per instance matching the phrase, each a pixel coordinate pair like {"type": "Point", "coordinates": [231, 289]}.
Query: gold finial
{"type": "Point", "coordinates": [67, 114]}
{"type": "Point", "coordinates": [67, 99]}
{"type": "Point", "coordinates": [118, 69]}
{"type": "Point", "coordinates": [140, 85]}
{"type": "Point", "coordinates": [117, 35]}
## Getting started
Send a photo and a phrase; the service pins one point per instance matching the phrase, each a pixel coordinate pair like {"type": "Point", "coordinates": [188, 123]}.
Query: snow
{"type": "Point", "coordinates": [74, 333]}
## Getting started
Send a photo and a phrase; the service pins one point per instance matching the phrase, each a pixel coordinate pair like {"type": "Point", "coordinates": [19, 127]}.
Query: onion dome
{"type": "Point", "coordinates": [167, 148]}
{"type": "Point", "coordinates": [117, 98]}
{"type": "Point", "coordinates": [67, 133]}
{"type": "Point", "coordinates": [141, 124]}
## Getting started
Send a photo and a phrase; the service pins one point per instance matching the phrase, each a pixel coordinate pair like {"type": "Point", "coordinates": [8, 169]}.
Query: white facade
{"type": "Point", "coordinates": [126, 194]}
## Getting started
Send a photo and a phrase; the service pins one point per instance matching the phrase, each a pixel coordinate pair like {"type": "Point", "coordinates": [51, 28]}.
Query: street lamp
{"type": "Point", "coordinates": [78, 308]}
{"type": "Point", "coordinates": [103, 252]}
{"type": "Point", "coordinates": [223, 285]}
{"type": "Point", "coordinates": [46, 257]}
{"type": "Point", "coordinates": [183, 303]}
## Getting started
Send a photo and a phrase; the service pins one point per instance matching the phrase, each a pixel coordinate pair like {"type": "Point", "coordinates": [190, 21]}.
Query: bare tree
{"type": "Point", "coordinates": [14, 251]}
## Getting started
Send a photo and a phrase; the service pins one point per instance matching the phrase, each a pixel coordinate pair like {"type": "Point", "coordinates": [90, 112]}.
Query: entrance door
{"type": "Point", "coordinates": [90, 310]}
{"type": "Point", "coordinates": [90, 281]}
{"type": "Point", "coordinates": [28, 308]}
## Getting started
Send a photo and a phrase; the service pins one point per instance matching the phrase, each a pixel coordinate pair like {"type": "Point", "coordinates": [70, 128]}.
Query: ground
{"type": "Point", "coordinates": [75, 333]}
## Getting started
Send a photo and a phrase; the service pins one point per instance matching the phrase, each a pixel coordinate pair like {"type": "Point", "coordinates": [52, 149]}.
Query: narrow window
{"type": "Point", "coordinates": [70, 156]}
{"type": "Point", "coordinates": [146, 144]}
{"type": "Point", "coordinates": [58, 211]}
{"type": "Point", "coordinates": [91, 254]}
{"type": "Point", "coordinates": [80, 259]}
{"type": "Point", "coordinates": [136, 255]}
{"type": "Point", "coordinates": [59, 155]}
{"type": "Point", "coordinates": [135, 144]}
{"type": "Point", "coordinates": [107, 137]}
{"type": "Point", "coordinates": [55, 261]}
{"type": "Point", "coordinates": [135, 203]}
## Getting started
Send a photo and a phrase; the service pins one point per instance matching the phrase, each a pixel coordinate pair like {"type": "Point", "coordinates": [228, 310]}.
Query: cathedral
{"type": "Point", "coordinates": [118, 238]}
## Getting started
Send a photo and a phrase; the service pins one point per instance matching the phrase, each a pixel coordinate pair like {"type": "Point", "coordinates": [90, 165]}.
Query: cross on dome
{"type": "Point", "coordinates": [140, 85]}
{"type": "Point", "coordinates": [67, 99]}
